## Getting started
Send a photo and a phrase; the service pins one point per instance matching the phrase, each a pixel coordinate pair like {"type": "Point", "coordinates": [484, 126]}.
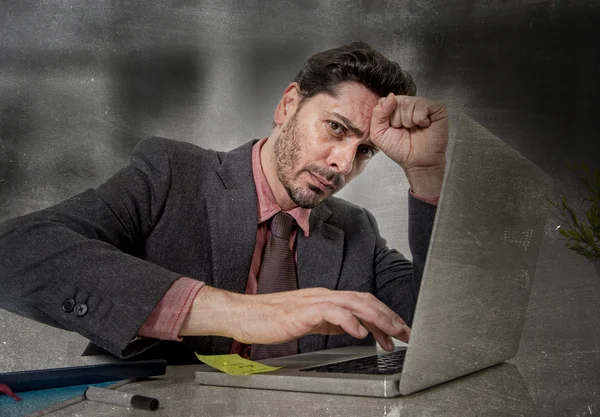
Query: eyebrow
{"type": "Point", "coordinates": [351, 126]}
{"type": "Point", "coordinates": [348, 123]}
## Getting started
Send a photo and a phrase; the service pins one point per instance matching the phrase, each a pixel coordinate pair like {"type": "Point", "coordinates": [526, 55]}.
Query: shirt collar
{"type": "Point", "coordinates": [267, 205]}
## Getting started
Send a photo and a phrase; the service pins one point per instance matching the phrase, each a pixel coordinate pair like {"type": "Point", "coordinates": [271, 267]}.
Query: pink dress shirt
{"type": "Point", "coordinates": [168, 316]}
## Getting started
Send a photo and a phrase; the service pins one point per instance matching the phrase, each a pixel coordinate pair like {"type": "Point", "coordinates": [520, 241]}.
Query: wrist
{"type": "Point", "coordinates": [426, 182]}
{"type": "Point", "coordinates": [210, 314]}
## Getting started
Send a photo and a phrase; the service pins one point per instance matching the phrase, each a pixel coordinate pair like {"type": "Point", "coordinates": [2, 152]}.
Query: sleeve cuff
{"type": "Point", "coordinates": [430, 200]}
{"type": "Point", "coordinates": [168, 316]}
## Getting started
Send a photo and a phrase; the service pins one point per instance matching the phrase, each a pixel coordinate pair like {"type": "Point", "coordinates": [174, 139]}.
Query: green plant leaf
{"type": "Point", "coordinates": [589, 236]}
{"type": "Point", "coordinates": [565, 233]}
{"type": "Point", "coordinates": [575, 235]}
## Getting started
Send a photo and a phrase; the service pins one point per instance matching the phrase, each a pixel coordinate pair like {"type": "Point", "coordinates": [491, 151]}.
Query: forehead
{"type": "Point", "coordinates": [353, 101]}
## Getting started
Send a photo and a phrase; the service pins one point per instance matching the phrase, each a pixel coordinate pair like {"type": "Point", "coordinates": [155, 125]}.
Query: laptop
{"type": "Point", "coordinates": [474, 292]}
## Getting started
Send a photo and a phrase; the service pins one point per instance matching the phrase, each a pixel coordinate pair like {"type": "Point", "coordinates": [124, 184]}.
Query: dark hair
{"type": "Point", "coordinates": [359, 62]}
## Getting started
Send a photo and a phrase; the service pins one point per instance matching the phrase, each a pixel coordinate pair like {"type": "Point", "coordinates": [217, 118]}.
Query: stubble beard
{"type": "Point", "coordinates": [287, 155]}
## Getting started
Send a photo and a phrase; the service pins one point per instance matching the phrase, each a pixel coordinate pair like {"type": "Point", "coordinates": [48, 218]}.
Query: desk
{"type": "Point", "coordinates": [557, 370]}
{"type": "Point", "coordinates": [497, 391]}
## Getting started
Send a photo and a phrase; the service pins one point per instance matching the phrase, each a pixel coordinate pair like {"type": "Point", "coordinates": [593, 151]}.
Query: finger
{"type": "Point", "coordinates": [407, 108]}
{"type": "Point", "coordinates": [383, 323]}
{"type": "Point", "coordinates": [380, 118]}
{"type": "Point", "coordinates": [421, 112]}
{"type": "Point", "coordinates": [357, 299]}
{"type": "Point", "coordinates": [405, 337]}
{"type": "Point", "coordinates": [342, 303]}
{"type": "Point", "coordinates": [327, 312]}
{"type": "Point", "coordinates": [396, 117]}
{"type": "Point", "coordinates": [380, 337]}
{"type": "Point", "coordinates": [367, 308]}
{"type": "Point", "coordinates": [364, 305]}
{"type": "Point", "coordinates": [367, 299]}
{"type": "Point", "coordinates": [437, 111]}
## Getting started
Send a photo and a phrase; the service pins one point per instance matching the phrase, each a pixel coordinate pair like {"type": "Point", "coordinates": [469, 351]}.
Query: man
{"type": "Point", "coordinates": [174, 246]}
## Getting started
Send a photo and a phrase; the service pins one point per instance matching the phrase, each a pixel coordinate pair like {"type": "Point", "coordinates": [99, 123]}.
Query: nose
{"type": "Point", "coordinates": [342, 158]}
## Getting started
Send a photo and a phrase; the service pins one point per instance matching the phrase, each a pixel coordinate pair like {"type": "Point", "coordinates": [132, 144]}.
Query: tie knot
{"type": "Point", "coordinates": [281, 225]}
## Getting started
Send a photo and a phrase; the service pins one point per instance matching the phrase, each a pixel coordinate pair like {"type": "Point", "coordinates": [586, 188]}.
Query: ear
{"type": "Point", "coordinates": [288, 104]}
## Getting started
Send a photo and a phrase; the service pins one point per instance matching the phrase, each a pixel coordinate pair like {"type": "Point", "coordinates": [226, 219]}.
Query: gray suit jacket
{"type": "Point", "coordinates": [180, 210]}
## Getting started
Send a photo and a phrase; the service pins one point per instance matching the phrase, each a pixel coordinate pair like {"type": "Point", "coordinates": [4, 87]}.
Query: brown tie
{"type": "Point", "coordinates": [277, 273]}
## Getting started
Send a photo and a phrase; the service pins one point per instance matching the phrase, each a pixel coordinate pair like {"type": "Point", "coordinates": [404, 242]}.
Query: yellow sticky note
{"type": "Point", "coordinates": [235, 364]}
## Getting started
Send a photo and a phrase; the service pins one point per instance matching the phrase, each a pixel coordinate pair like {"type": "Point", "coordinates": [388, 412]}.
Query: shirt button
{"type": "Point", "coordinates": [80, 310]}
{"type": "Point", "coordinates": [68, 305]}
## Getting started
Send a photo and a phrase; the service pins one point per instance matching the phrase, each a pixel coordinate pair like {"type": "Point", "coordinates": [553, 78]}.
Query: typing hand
{"type": "Point", "coordinates": [280, 317]}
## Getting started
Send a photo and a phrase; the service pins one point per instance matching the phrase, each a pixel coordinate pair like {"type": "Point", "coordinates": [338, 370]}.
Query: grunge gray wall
{"type": "Point", "coordinates": [82, 81]}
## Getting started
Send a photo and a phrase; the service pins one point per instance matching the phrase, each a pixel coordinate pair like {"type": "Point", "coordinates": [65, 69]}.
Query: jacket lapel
{"type": "Point", "coordinates": [233, 216]}
{"type": "Point", "coordinates": [233, 220]}
{"type": "Point", "coordinates": [319, 262]}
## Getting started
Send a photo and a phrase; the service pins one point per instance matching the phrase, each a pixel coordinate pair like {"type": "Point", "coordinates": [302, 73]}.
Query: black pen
{"type": "Point", "coordinates": [121, 398]}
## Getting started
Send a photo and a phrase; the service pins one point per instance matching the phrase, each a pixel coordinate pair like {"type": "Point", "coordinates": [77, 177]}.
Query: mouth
{"type": "Point", "coordinates": [321, 183]}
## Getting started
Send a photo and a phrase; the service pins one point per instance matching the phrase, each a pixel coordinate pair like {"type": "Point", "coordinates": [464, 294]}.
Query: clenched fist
{"type": "Point", "coordinates": [413, 132]}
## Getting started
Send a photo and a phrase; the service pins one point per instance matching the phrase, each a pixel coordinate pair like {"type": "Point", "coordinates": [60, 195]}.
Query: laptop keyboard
{"type": "Point", "coordinates": [380, 364]}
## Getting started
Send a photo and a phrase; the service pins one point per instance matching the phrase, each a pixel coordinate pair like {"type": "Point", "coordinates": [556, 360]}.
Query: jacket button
{"type": "Point", "coordinates": [80, 310]}
{"type": "Point", "coordinates": [68, 305]}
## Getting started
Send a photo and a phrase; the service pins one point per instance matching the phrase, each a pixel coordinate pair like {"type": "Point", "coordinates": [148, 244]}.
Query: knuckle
{"type": "Point", "coordinates": [367, 296]}
{"type": "Point", "coordinates": [381, 314]}
{"type": "Point", "coordinates": [356, 296]}
{"type": "Point", "coordinates": [326, 306]}
{"type": "Point", "coordinates": [405, 100]}
{"type": "Point", "coordinates": [398, 318]}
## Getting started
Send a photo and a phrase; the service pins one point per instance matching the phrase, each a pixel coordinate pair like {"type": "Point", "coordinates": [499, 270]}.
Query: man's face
{"type": "Point", "coordinates": [325, 144]}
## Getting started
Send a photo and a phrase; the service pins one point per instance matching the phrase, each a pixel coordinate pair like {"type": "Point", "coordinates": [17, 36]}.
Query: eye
{"type": "Point", "coordinates": [337, 128]}
{"type": "Point", "coordinates": [366, 152]}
